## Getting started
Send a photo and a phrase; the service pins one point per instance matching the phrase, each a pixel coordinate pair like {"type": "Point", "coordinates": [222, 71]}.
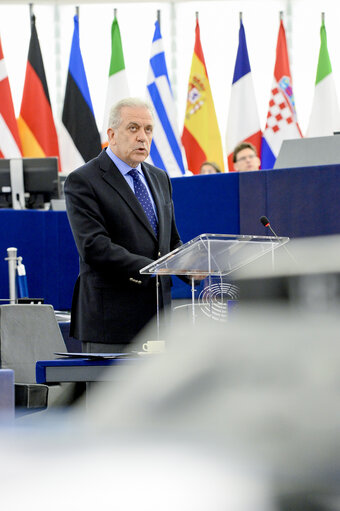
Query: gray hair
{"type": "Point", "coordinates": [115, 117]}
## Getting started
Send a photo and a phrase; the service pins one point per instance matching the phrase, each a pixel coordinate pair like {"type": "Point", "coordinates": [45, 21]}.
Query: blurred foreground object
{"type": "Point", "coordinates": [241, 415]}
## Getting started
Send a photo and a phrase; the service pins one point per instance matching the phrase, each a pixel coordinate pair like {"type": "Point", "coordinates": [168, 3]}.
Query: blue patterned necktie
{"type": "Point", "coordinates": [143, 197]}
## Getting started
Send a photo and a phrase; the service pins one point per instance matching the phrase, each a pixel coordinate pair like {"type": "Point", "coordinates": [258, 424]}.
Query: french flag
{"type": "Point", "coordinates": [243, 118]}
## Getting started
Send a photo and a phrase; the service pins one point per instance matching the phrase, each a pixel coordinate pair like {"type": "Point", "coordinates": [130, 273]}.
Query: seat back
{"type": "Point", "coordinates": [6, 394]}
{"type": "Point", "coordinates": [28, 333]}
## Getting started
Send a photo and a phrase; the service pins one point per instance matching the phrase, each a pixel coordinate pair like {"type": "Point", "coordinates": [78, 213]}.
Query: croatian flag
{"type": "Point", "coordinates": [166, 149]}
{"type": "Point", "coordinates": [281, 118]}
{"type": "Point", "coordinates": [243, 119]}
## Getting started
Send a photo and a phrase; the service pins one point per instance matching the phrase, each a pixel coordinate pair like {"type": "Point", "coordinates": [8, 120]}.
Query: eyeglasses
{"type": "Point", "coordinates": [244, 158]}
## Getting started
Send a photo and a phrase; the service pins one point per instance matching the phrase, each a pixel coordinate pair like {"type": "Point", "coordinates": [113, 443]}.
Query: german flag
{"type": "Point", "coordinates": [36, 126]}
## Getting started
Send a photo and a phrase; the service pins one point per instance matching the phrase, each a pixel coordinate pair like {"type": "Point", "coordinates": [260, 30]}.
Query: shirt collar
{"type": "Point", "coordinates": [123, 167]}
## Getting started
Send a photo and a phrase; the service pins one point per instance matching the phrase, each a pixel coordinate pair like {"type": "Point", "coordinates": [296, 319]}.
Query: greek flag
{"type": "Point", "coordinates": [166, 151]}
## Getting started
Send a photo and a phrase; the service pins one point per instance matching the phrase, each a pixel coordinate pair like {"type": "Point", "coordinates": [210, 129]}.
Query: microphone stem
{"type": "Point", "coordinates": [284, 246]}
{"type": "Point", "coordinates": [272, 230]}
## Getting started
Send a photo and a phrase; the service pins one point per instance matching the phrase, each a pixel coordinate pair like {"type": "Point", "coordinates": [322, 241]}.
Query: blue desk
{"type": "Point", "coordinates": [81, 369]}
{"type": "Point", "coordinates": [298, 202]}
{"type": "Point", "coordinates": [44, 240]}
{"type": "Point", "coordinates": [206, 204]}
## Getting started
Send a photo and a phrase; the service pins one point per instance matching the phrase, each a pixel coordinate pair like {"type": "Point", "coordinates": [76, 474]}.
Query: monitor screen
{"type": "Point", "coordinates": [41, 182]}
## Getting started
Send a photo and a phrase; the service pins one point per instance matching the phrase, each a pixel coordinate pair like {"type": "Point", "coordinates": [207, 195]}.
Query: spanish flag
{"type": "Point", "coordinates": [36, 126]}
{"type": "Point", "coordinates": [201, 136]}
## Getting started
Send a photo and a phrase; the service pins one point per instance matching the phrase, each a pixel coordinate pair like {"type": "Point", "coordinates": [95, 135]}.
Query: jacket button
{"type": "Point", "coordinates": [159, 254]}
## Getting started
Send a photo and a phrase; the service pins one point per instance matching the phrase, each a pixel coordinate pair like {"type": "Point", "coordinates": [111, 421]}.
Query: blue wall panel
{"type": "Point", "coordinates": [206, 204]}
{"type": "Point", "coordinates": [298, 202]}
{"type": "Point", "coordinates": [45, 242]}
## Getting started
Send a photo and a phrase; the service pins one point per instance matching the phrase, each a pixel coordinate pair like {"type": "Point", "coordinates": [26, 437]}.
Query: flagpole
{"type": "Point", "coordinates": [31, 15]}
{"type": "Point", "coordinates": [159, 17]}
{"type": "Point", "coordinates": [281, 16]}
{"type": "Point", "coordinates": [322, 18]}
{"type": "Point", "coordinates": [241, 14]}
{"type": "Point", "coordinates": [196, 15]}
{"type": "Point", "coordinates": [173, 49]}
{"type": "Point", "coordinates": [115, 13]}
{"type": "Point", "coordinates": [58, 78]}
{"type": "Point", "coordinates": [77, 11]}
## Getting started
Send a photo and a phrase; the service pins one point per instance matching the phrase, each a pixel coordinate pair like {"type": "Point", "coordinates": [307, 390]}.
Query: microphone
{"type": "Point", "coordinates": [264, 221]}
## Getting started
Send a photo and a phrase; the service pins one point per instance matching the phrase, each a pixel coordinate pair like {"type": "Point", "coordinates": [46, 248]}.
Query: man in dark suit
{"type": "Point", "coordinates": [121, 220]}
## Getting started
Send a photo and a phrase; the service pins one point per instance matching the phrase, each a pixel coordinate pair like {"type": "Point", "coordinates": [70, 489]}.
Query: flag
{"type": "Point", "coordinates": [166, 149]}
{"type": "Point", "coordinates": [201, 136]}
{"type": "Point", "coordinates": [117, 87]}
{"type": "Point", "coordinates": [10, 146]}
{"type": "Point", "coordinates": [281, 118]}
{"type": "Point", "coordinates": [36, 125]}
{"type": "Point", "coordinates": [80, 139]}
{"type": "Point", "coordinates": [325, 115]}
{"type": "Point", "coordinates": [243, 120]}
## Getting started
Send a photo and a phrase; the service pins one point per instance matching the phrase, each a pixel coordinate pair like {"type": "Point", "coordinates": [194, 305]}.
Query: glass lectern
{"type": "Point", "coordinates": [211, 256]}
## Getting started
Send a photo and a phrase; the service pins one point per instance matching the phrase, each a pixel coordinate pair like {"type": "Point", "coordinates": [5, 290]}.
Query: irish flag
{"type": "Point", "coordinates": [117, 87]}
{"type": "Point", "coordinates": [325, 116]}
{"type": "Point", "coordinates": [10, 146]}
{"type": "Point", "coordinates": [201, 136]}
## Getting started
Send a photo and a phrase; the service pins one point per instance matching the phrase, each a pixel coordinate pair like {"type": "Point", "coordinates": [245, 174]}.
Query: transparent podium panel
{"type": "Point", "coordinates": [215, 298]}
{"type": "Point", "coordinates": [214, 254]}
{"type": "Point", "coordinates": [206, 261]}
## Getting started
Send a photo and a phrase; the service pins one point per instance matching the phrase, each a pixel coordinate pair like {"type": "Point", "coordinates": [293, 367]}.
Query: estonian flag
{"type": "Point", "coordinates": [80, 139]}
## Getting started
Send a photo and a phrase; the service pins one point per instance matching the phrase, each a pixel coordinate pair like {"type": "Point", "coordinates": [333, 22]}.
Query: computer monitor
{"type": "Point", "coordinates": [41, 182]}
{"type": "Point", "coordinates": [309, 152]}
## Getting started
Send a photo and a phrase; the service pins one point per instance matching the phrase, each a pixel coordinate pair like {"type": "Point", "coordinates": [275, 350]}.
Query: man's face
{"type": "Point", "coordinates": [131, 141]}
{"type": "Point", "coordinates": [247, 160]}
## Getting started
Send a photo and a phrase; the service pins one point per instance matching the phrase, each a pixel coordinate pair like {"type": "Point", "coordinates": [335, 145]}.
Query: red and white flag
{"type": "Point", "coordinates": [281, 118]}
{"type": "Point", "coordinates": [10, 146]}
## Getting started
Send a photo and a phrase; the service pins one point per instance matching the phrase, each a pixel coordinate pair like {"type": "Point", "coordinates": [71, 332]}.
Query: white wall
{"type": "Point", "coordinates": [219, 23]}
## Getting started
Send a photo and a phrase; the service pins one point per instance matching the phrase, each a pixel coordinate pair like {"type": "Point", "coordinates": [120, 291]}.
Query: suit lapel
{"type": "Point", "coordinates": [114, 178]}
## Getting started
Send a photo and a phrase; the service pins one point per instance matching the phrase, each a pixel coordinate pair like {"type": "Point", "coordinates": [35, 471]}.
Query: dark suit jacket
{"type": "Point", "coordinates": [112, 301]}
